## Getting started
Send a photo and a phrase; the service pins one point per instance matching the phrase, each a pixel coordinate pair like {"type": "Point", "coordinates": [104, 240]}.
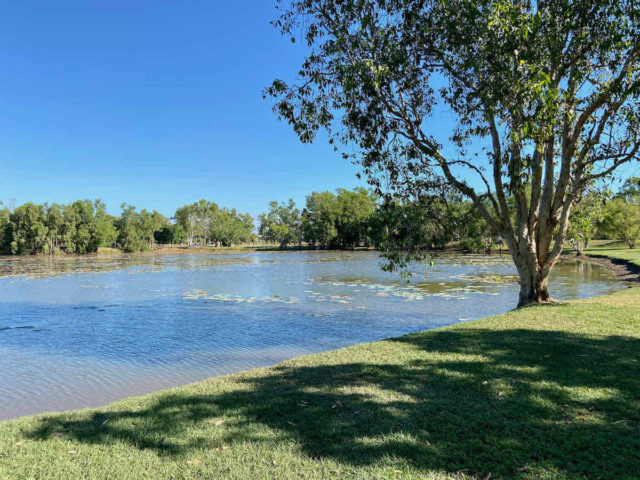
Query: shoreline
{"type": "Point", "coordinates": [624, 270]}
{"type": "Point", "coordinates": [177, 250]}
{"type": "Point", "coordinates": [407, 407]}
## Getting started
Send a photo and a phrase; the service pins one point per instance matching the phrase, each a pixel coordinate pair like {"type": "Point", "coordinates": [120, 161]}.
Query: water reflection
{"type": "Point", "coordinates": [81, 331]}
{"type": "Point", "coordinates": [47, 266]}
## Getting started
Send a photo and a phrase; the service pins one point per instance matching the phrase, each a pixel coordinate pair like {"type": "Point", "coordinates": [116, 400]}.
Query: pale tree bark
{"type": "Point", "coordinates": [549, 91]}
{"type": "Point", "coordinates": [535, 226]}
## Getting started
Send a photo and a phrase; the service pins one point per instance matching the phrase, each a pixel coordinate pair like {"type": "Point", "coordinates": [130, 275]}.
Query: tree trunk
{"type": "Point", "coordinates": [533, 271]}
{"type": "Point", "coordinates": [533, 285]}
{"type": "Point", "coordinates": [533, 290]}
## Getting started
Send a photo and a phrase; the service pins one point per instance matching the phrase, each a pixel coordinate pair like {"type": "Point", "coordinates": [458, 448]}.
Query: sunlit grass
{"type": "Point", "coordinates": [614, 249]}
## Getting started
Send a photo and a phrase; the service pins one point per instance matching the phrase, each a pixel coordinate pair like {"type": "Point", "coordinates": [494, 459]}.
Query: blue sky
{"type": "Point", "coordinates": [153, 103]}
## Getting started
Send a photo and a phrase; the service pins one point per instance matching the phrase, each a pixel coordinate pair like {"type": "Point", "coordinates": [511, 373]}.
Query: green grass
{"type": "Point", "coordinates": [615, 250]}
{"type": "Point", "coordinates": [550, 392]}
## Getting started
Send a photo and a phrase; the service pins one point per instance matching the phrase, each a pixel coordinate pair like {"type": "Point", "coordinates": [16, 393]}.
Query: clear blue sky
{"type": "Point", "coordinates": [154, 103]}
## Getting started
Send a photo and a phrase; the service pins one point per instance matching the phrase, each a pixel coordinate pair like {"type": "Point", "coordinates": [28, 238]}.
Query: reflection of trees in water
{"type": "Point", "coordinates": [48, 266]}
{"type": "Point", "coordinates": [483, 272]}
{"type": "Point", "coordinates": [573, 274]}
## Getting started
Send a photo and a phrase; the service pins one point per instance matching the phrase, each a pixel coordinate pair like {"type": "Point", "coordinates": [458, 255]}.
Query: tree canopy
{"type": "Point", "coordinates": [621, 220]}
{"type": "Point", "coordinates": [79, 227]}
{"type": "Point", "coordinates": [204, 222]}
{"type": "Point", "coordinates": [544, 97]}
{"type": "Point", "coordinates": [281, 224]}
{"type": "Point", "coordinates": [354, 218]}
{"type": "Point", "coordinates": [83, 226]}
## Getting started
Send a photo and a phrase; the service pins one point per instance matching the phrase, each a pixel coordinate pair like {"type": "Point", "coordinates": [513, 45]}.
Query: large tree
{"type": "Point", "coordinates": [542, 95]}
{"type": "Point", "coordinates": [354, 211]}
{"type": "Point", "coordinates": [281, 224]}
{"type": "Point", "coordinates": [318, 219]}
{"type": "Point", "coordinates": [187, 218]}
{"type": "Point", "coordinates": [27, 230]}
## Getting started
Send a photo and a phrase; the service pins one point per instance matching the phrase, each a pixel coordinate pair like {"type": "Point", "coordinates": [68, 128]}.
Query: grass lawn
{"type": "Point", "coordinates": [616, 250]}
{"type": "Point", "coordinates": [549, 392]}
{"type": "Point", "coordinates": [613, 249]}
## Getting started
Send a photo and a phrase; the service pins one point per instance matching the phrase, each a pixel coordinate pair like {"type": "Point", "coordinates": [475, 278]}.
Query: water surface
{"type": "Point", "coordinates": [84, 331]}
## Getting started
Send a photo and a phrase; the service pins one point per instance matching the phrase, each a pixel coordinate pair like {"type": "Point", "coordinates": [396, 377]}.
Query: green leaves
{"type": "Point", "coordinates": [544, 97]}
{"type": "Point", "coordinates": [205, 222]}
{"type": "Point", "coordinates": [281, 224]}
{"type": "Point", "coordinates": [79, 227]}
{"type": "Point", "coordinates": [621, 219]}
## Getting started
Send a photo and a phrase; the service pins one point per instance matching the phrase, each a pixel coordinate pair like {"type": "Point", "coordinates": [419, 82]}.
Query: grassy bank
{"type": "Point", "coordinates": [547, 392]}
{"type": "Point", "coordinates": [615, 250]}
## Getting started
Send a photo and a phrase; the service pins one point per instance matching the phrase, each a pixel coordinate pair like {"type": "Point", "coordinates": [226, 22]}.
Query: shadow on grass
{"type": "Point", "coordinates": [469, 399]}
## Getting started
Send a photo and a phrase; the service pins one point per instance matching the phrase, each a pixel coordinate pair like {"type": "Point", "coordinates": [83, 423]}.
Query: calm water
{"type": "Point", "coordinates": [78, 332]}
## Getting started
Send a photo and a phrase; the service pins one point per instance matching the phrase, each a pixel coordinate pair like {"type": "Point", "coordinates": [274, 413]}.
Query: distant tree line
{"type": "Point", "coordinates": [602, 214]}
{"type": "Point", "coordinates": [398, 226]}
{"type": "Point", "coordinates": [341, 220]}
{"type": "Point", "coordinates": [352, 218]}
{"type": "Point", "coordinates": [79, 227]}
{"type": "Point", "coordinates": [404, 227]}
{"type": "Point", "coordinates": [84, 226]}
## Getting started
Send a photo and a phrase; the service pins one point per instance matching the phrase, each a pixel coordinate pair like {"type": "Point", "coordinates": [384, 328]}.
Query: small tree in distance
{"type": "Point", "coordinates": [544, 96]}
{"type": "Point", "coordinates": [584, 221]}
{"type": "Point", "coordinates": [621, 220]}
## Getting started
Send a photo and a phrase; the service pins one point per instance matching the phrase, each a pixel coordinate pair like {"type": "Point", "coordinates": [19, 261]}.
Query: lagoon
{"type": "Point", "coordinates": [85, 331]}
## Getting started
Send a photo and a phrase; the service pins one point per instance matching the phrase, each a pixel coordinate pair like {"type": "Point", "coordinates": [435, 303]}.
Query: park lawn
{"type": "Point", "coordinates": [549, 392]}
{"type": "Point", "coordinates": [615, 250]}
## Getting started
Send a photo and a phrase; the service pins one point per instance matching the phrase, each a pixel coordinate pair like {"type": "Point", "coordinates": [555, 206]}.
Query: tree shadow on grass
{"type": "Point", "coordinates": [467, 400]}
